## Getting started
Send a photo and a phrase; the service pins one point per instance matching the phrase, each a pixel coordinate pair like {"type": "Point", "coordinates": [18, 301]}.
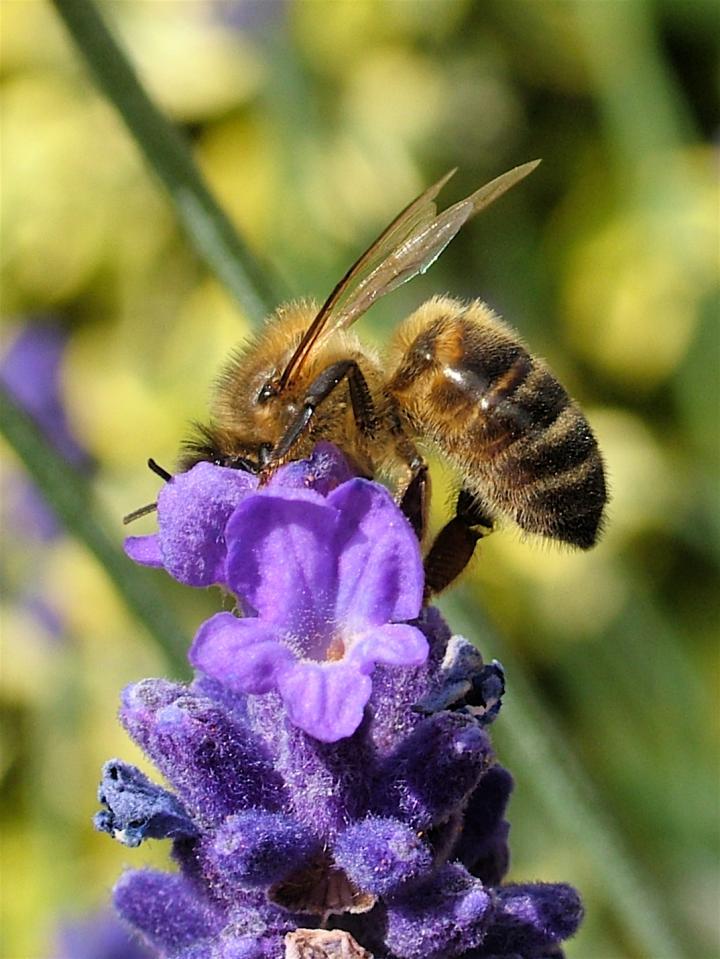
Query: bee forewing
{"type": "Point", "coordinates": [410, 221]}
{"type": "Point", "coordinates": [501, 184]}
{"type": "Point", "coordinates": [413, 245]}
{"type": "Point", "coordinates": [408, 246]}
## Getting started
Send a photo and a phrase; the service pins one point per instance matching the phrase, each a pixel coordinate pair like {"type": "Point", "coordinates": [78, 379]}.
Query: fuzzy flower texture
{"type": "Point", "coordinates": [332, 786]}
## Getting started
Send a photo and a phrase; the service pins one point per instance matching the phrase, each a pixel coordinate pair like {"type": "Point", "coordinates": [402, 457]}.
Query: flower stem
{"type": "Point", "coordinates": [165, 150]}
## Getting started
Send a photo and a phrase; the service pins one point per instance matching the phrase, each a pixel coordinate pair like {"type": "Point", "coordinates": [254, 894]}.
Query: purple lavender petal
{"type": "Point", "coordinates": [213, 760]}
{"type": "Point", "coordinates": [381, 854]}
{"type": "Point", "coordinates": [193, 509]}
{"type": "Point", "coordinates": [395, 645]}
{"type": "Point", "coordinates": [165, 908]}
{"type": "Point", "coordinates": [257, 848]}
{"type": "Point", "coordinates": [144, 550]}
{"type": "Point", "coordinates": [440, 919]}
{"type": "Point", "coordinates": [380, 567]}
{"type": "Point", "coordinates": [531, 919]}
{"type": "Point", "coordinates": [281, 560]}
{"type": "Point", "coordinates": [245, 654]}
{"type": "Point", "coordinates": [326, 700]}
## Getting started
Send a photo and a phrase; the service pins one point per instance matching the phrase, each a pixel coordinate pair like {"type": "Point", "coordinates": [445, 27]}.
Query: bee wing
{"type": "Point", "coordinates": [408, 246]}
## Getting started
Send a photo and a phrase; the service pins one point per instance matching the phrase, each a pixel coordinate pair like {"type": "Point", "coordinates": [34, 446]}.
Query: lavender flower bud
{"type": "Point", "coordinates": [446, 916]}
{"type": "Point", "coordinates": [257, 848]}
{"type": "Point", "coordinates": [381, 855]}
{"type": "Point", "coordinates": [165, 908]}
{"type": "Point", "coordinates": [216, 764]}
{"type": "Point", "coordinates": [434, 769]}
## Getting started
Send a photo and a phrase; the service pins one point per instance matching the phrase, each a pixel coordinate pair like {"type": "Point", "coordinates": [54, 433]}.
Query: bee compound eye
{"type": "Point", "coordinates": [268, 390]}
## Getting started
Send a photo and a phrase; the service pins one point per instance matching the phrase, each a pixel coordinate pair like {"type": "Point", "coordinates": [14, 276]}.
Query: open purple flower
{"type": "Point", "coordinates": [331, 582]}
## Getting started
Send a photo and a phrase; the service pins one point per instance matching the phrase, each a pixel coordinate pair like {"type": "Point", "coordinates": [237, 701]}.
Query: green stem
{"type": "Point", "coordinates": [206, 225]}
{"type": "Point", "coordinates": [70, 495]}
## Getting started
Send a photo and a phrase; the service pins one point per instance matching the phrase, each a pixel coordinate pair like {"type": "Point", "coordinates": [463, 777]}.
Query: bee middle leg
{"type": "Point", "coordinates": [415, 497]}
{"type": "Point", "coordinates": [319, 390]}
{"type": "Point", "coordinates": [454, 545]}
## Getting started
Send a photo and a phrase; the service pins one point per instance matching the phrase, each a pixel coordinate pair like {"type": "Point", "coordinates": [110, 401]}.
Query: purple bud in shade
{"type": "Point", "coordinates": [193, 508]}
{"type": "Point", "coordinates": [380, 855]}
{"type": "Point", "coordinates": [532, 919]}
{"type": "Point", "coordinates": [434, 769]}
{"type": "Point", "coordinates": [30, 371]}
{"type": "Point", "coordinates": [443, 918]}
{"type": "Point", "coordinates": [482, 843]}
{"type": "Point", "coordinates": [217, 765]}
{"type": "Point", "coordinates": [165, 909]}
{"type": "Point", "coordinates": [137, 809]}
{"type": "Point", "coordinates": [257, 848]}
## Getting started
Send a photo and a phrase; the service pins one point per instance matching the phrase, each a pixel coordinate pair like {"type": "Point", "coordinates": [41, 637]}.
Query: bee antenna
{"type": "Point", "coordinates": [137, 513]}
{"type": "Point", "coordinates": [162, 473]}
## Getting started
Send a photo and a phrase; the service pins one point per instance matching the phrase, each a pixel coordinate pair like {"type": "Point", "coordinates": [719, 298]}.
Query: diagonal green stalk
{"type": "Point", "coordinates": [70, 495]}
{"type": "Point", "coordinates": [568, 799]}
{"type": "Point", "coordinates": [206, 225]}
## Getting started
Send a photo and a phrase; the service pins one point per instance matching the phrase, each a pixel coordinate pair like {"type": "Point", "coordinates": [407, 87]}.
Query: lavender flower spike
{"type": "Point", "coordinates": [333, 787]}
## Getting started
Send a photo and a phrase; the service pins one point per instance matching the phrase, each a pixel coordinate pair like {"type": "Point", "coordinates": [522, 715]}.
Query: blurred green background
{"type": "Point", "coordinates": [314, 123]}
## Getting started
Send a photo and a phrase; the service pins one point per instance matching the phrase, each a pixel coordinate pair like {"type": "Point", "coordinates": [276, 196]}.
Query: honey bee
{"type": "Point", "coordinates": [456, 379]}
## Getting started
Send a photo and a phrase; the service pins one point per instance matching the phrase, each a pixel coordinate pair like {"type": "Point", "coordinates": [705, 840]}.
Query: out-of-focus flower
{"type": "Point", "coordinates": [100, 936]}
{"type": "Point", "coordinates": [30, 371]}
{"type": "Point", "coordinates": [289, 809]}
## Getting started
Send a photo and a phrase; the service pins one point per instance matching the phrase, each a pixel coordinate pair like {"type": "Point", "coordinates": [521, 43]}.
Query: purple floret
{"type": "Point", "coordinates": [194, 507]}
{"type": "Point", "coordinates": [332, 780]}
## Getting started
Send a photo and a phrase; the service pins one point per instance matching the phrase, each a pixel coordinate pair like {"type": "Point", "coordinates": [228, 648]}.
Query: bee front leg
{"type": "Point", "coordinates": [455, 543]}
{"type": "Point", "coordinates": [319, 390]}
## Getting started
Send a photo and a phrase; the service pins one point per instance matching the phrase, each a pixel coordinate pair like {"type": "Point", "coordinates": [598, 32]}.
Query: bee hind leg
{"type": "Point", "coordinates": [454, 545]}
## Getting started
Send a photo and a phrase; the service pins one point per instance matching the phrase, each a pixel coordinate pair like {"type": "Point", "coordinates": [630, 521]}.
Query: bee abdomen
{"type": "Point", "coordinates": [553, 483]}
{"type": "Point", "coordinates": [568, 507]}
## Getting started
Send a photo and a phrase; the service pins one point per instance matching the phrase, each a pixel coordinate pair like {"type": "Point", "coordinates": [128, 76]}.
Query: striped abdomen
{"type": "Point", "coordinates": [503, 419]}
